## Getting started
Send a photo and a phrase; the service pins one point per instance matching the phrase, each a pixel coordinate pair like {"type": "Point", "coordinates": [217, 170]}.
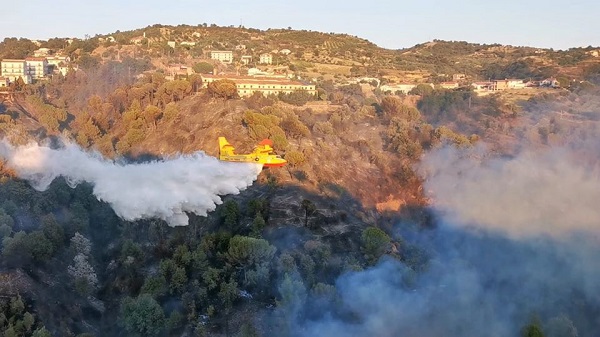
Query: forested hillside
{"type": "Point", "coordinates": [344, 240]}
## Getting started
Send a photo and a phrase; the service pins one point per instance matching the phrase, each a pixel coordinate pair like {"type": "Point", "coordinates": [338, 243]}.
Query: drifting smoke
{"type": "Point", "coordinates": [475, 285]}
{"type": "Point", "coordinates": [160, 189]}
{"type": "Point", "coordinates": [517, 237]}
{"type": "Point", "coordinates": [545, 192]}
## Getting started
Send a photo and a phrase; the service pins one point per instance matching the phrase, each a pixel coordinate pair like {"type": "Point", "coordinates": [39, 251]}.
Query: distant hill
{"type": "Point", "coordinates": [321, 55]}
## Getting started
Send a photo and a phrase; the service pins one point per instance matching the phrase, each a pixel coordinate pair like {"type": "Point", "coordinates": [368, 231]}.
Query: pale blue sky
{"type": "Point", "coordinates": [390, 24]}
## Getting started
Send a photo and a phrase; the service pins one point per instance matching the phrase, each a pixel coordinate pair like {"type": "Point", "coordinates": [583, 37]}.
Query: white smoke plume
{"type": "Point", "coordinates": [164, 189]}
{"type": "Point", "coordinates": [544, 192]}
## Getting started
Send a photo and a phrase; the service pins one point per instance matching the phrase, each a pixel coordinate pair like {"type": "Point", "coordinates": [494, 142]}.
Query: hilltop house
{"type": "Point", "coordinates": [399, 87]}
{"type": "Point", "coordinates": [458, 77]}
{"type": "Point", "coordinates": [266, 58]}
{"type": "Point", "coordinates": [482, 86]}
{"type": "Point", "coordinates": [41, 52]}
{"type": "Point", "coordinates": [550, 82]}
{"type": "Point", "coordinates": [449, 85]}
{"type": "Point", "coordinates": [58, 60]}
{"type": "Point", "coordinates": [175, 70]}
{"type": "Point", "coordinates": [247, 85]}
{"type": "Point", "coordinates": [137, 40]}
{"type": "Point", "coordinates": [225, 56]}
{"type": "Point", "coordinates": [508, 84]}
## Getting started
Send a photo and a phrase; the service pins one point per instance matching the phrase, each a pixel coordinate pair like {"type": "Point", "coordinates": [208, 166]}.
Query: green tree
{"type": "Point", "coordinates": [532, 330]}
{"type": "Point", "coordinates": [87, 61]}
{"type": "Point", "coordinates": [211, 277]}
{"type": "Point", "coordinates": [421, 90]}
{"type": "Point", "coordinates": [203, 68]}
{"type": "Point", "coordinates": [142, 315]}
{"type": "Point", "coordinates": [182, 256]}
{"type": "Point", "coordinates": [178, 280]}
{"type": "Point", "coordinates": [295, 158]}
{"type": "Point", "coordinates": [28, 321]}
{"type": "Point", "coordinates": [171, 111]}
{"type": "Point", "coordinates": [245, 251]}
{"type": "Point", "coordinates": [224, 88]}
{"type": "Point", "coordinates": [250, 255]}
{"type": "Point", "coordinates": [41, 332]}
{"type": "Point", "coordinates": [16, 306]}
{"type": "Point", "coordinates": [298, 97]}
{"type": "Point", "coordinates": [5, 231]}
{"type": "Point", "coordinates": [151, 115]}
{"type": "Point", "coordinates": [155, 286]}
{"type": "Point", "coordinates": [247, 330]}
{"type": "Point", "coordinates": [375, 243]}
{"type": "Point", "coordinates": [228, 293]}
{"type": "Point", "coordinates": [258, 224]}
{"type": "Point", "coordinates": [230, 214]}
{"type": "Point", "coordinates": [11, 332]}
{"type": "Point", "coordinates": [39, 246]}
{"type": "Point", "coordinates": [292, 292]}
{"type": "Point", "coordinates": [54, 232]}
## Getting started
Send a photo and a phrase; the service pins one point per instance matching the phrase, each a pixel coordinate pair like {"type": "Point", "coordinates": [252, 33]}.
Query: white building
{"type": "Point", "coordinates": [171, 44]}
{"type": "Point", "coordinates": [400, 87]}
{"type": "Point", "coordinates": [58, 60]}
{"type": "Point", "coordinates": [285, 52]}
{"type": "Point", "coordinates": [482, 86]}
{"type": "Point", "coordinates": [266, 58]}
{"type": "Point", "coordinates": [246, 59]}
{"type": "Point", "coordinates": [247, 86]}
{"type": "Point", "coordinates": [13, 69]}
{"type": "Point", "coordinates": [37, 67]}
{"type": "Point", "coordinates": [225, 56]}
{"type": "Point", "coordinates": [41, 52]}
{"type": "Point", "coordinates": [3, 82]}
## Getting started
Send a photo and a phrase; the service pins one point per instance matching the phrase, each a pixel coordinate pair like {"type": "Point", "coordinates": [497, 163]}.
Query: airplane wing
{"type": "Point", "coordinates": [264, 147]}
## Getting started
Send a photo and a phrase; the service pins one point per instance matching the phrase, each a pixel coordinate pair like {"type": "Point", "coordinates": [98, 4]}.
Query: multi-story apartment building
{"type": "Point", "coordinates": [247, 85]}
{"type": "Point", "coordinates": [266, 58]}
{"type": "Point", "coordinates": [37, 67]}
{"type": "Point", "coordinates": [225, 56]}
{"type": "Point", "coordinates": [13, 69]}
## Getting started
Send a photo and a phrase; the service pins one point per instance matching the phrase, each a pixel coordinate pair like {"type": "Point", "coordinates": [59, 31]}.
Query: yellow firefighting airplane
{"type": "Point", "coordinates": [262, 154]}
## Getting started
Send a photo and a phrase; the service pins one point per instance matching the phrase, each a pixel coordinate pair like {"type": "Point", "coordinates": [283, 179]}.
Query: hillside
{"type": "Point", "coordinates": [344, 236]}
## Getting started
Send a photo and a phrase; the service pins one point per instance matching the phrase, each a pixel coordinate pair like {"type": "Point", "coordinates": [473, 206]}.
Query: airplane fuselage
{"type": "Point", "coordinates": [262, 154]}
{"type": "Point", "coordinates": [265, 160]}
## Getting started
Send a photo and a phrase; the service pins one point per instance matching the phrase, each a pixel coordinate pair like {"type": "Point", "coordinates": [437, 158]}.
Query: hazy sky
{"type": "Point", "coordinates": [390, 24]}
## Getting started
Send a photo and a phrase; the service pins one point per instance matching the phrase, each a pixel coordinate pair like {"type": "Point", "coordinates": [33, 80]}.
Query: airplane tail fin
{"type": "Point", "coordinates": [225, 149]}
